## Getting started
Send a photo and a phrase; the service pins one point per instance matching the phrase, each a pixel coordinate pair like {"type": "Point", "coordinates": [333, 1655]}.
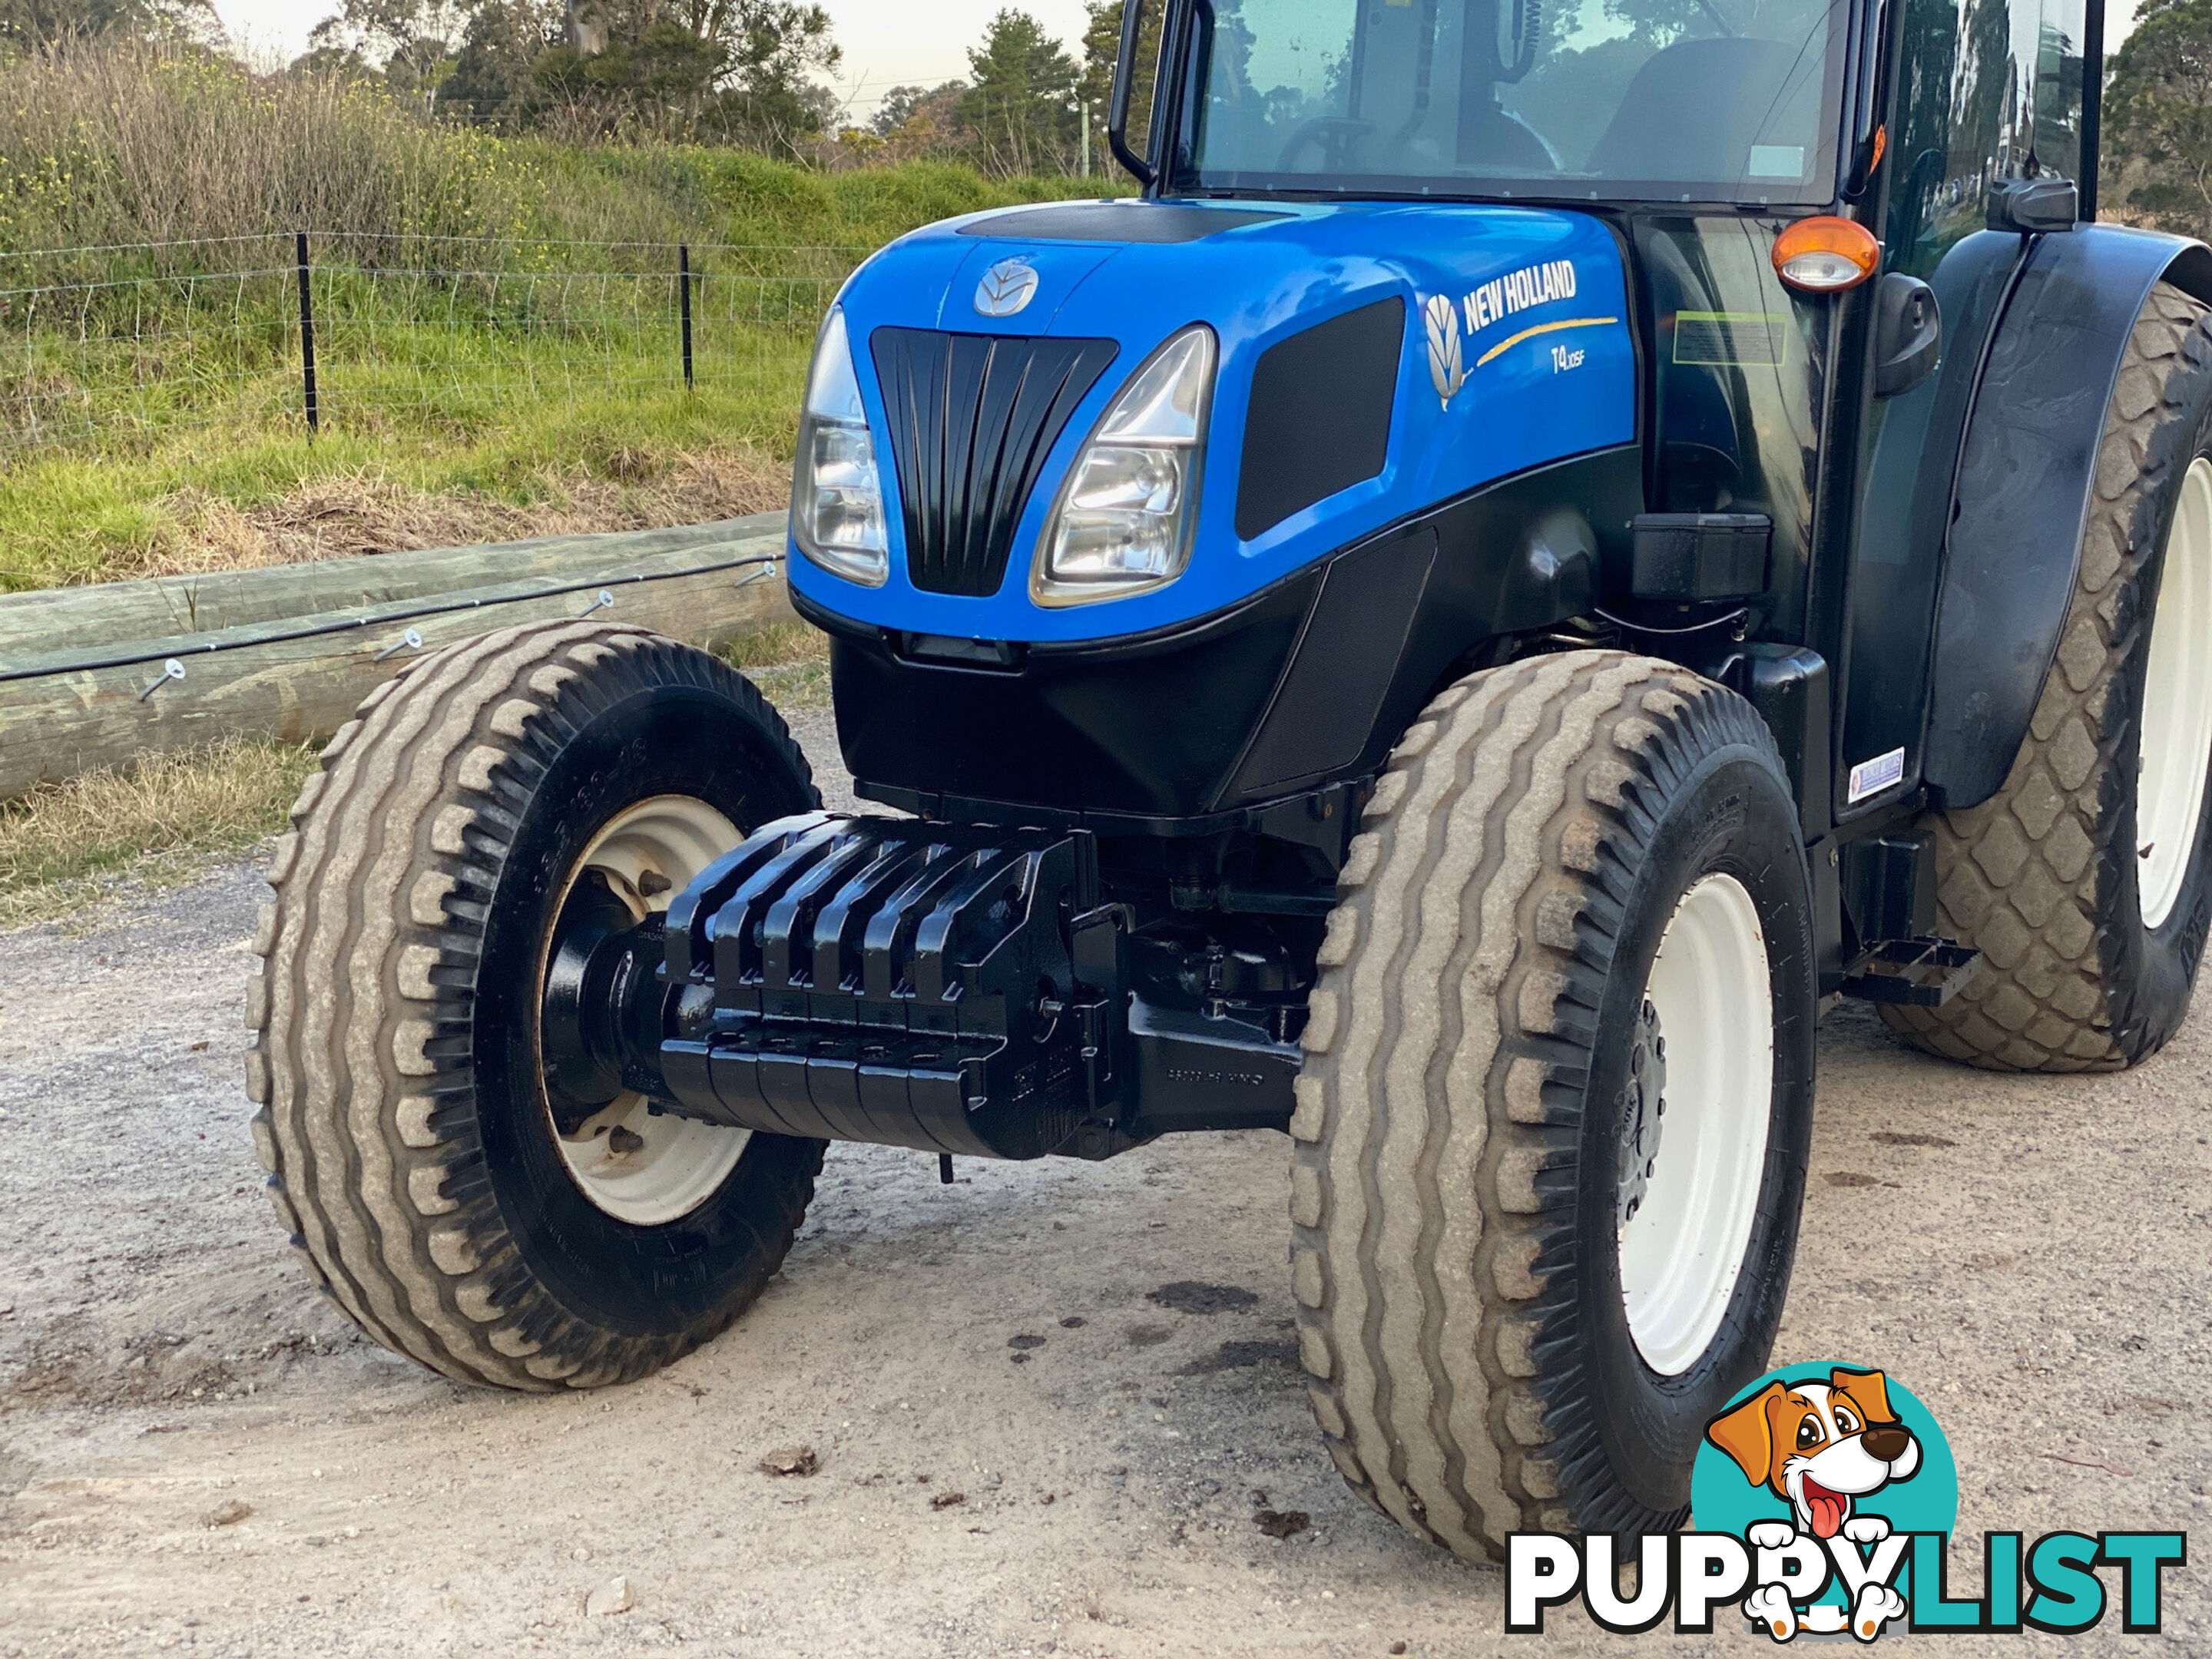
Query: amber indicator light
{"type": "Point", "coordinates": [1826, 255]}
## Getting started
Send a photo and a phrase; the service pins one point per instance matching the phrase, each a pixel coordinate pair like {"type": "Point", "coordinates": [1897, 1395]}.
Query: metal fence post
{"type": "Point", "coordinates": [684, 269]}
{"type": "Point", "coordinates": [307, 337]}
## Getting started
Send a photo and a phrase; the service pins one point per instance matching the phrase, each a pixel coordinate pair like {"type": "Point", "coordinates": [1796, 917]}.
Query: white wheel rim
{"type": "Point", "coordinates": [1682, 1250]}
{"type": "Point", "coordinates": [639, 1166]}
{"type": "Point", "coordinates": [2176, 715]}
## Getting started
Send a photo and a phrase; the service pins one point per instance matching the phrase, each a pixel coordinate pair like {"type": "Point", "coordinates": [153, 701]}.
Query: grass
{"type": "Point", "coordinates": [71, 850]}
{"type": "Point", "coordinates": [496, 318]}
{"type": "Point", "coordinates": [213, 500]}
{"type": "Point", "coordinates": [66, 848]}
{"type": "Point", "coordinates": [555, 403]}
{"type": "Point", "coordinates": [789, 662]}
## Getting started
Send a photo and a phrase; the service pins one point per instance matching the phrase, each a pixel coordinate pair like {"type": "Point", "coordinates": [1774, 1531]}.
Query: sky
{"type": "Point", "coordinates": [887, 42]}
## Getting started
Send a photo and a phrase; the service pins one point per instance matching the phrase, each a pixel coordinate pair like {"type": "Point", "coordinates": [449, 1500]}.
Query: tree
{"type": "Point", "coordinates": [1102, 50]}
{"type": "Point", "coordinates": [2158, 115]}
{"type": "Point", "coordinates": [1020, 104]}
{"type": "Point", "coordinates": [907, 110]}
{"type": "Point", "coordinates": [417, 41]}
{"type": "Point", "coordinates": [491, 74]}
{"type": "Point", "coordinates": [774, 49]}
{"type": "Point", "coordinates": [39, 23]}
{"type": "Point", "coordinates": [738, 69]}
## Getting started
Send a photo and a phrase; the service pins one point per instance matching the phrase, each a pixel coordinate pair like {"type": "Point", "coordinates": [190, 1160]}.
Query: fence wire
{"type": "Point", "coordinates": [409, 335]}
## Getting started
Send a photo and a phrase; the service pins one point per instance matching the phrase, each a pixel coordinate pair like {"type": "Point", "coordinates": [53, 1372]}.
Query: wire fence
{"type": "Point", "coordinates": [390, 336]}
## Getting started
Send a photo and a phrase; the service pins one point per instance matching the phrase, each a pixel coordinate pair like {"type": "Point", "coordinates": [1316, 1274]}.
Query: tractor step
{"type": "Point", "coordinates": [1922, 973]}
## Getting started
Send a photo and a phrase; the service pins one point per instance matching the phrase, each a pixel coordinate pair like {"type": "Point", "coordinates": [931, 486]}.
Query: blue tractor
{"type": "Point", "coordinates": [1546, 548]}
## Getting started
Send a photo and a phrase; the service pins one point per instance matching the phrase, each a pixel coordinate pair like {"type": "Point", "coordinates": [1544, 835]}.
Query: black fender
{"type": "Point", "coordinates": [2021, 500]}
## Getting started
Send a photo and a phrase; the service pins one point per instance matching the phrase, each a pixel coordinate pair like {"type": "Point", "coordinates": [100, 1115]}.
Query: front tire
{"type": "Point", "coordinates": [1580, 892]}
{"type": "Point", "coordinates": [480, 809]}
{"type": "Point", "coordinates": [2085, 881]}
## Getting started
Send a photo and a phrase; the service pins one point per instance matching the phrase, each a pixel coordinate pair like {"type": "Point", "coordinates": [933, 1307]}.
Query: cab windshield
{"type": "Point", "coordinates": [1706, 100]}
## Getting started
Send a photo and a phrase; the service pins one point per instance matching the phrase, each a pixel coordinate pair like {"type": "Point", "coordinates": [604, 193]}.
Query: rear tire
{"type": "Point", "coordinates": [411, 1145]}
{"type": "Point", "coordinates": [2085, 881]}
{"type": "Point", "coordinates": [1500, 1334]}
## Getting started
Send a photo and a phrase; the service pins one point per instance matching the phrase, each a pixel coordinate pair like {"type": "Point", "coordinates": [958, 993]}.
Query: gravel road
{"type": "Point", "coordinates": [1047, 1402]}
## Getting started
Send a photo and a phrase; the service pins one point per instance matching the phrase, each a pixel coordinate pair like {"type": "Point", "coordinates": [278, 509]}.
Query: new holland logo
{"type": "Point", "coordinates": [1447, 363]}
{"type": "Point", "coordinates": [1006, 289]}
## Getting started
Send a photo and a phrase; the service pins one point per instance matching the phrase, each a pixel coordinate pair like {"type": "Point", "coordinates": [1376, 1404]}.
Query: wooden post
{"type": "Point", "coordinates": [683, 267]}
{"type": "Point", "coordinates": [307, 337]}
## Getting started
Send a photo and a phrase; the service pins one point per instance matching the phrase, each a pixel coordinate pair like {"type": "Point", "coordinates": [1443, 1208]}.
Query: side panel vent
{"type": "Point", "coordinates": [972, 418]}
{"type": "Point", "coordinates": [1320, 415]}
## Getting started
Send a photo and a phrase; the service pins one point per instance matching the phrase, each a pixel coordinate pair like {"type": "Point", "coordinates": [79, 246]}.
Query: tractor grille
{"type": "Point", "coordinates": [972, 418]}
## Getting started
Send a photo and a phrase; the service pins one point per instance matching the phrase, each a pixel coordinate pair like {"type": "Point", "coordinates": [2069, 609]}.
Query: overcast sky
{"type": "Point", "coordinates": [887, 42]}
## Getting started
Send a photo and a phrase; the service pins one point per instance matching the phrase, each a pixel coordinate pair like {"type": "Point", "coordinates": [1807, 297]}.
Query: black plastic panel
{"type": "Point", "coordinates": [973, 417]}
{"type": "Point", "coordinates": [1325, 712]}
{"type": "Point", "coordinates": [1790, 686]}
{"type": "Point", "coordinates": [1904, 515]}
{"type": "Point", "coordinates": [1889, 886]}
{"type": "Point", "coordinates": [1698, 557]}
{"type": "Point", "coordinates": [1152, 223]}
{"type": "Point", "coordinates": [2023, 493]}
{"type": "Point", "coordinates": [1158, 726]}
{"type": "Point", "coordinates": [1151, 728]}
{"type": "Point", "coordinates": [1320, 415]}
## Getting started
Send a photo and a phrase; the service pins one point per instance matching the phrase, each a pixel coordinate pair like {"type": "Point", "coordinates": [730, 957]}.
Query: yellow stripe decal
{"type": "Point", "coordinates": [1541, 328]}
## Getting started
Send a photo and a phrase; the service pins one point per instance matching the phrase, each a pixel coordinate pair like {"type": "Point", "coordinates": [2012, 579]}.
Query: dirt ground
{"type": "Point", "coordinates": [1047, 1402]}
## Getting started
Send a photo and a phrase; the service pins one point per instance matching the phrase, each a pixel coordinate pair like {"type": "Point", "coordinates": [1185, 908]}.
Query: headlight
{"type": "Point", "coordinates": [1124, 519]}
{"type": "Point", "coordinates": [837, 497]}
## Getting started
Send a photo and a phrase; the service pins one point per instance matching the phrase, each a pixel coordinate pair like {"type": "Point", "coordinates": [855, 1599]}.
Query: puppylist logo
{"type": "Point", "coordinates": [1822, 1501]}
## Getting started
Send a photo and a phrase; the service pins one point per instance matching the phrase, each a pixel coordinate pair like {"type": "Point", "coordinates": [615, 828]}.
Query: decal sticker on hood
{"type": "Point", "coordinates": [1517, 291]}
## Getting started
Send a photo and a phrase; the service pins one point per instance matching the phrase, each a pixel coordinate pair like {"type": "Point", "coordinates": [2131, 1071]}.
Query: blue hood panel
{"type": "Point", "coordinates": [1535, 372]}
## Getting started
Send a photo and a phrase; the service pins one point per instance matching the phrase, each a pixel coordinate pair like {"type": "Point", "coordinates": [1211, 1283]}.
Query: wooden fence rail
{"type": "Point", "coordinates": [87, 676]}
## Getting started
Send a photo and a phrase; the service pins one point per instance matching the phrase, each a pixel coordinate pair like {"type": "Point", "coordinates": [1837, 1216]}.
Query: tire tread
{"type": "Point", "coordinates": [1432, 1182]}
{"type": "Point", "coordinates": [2027, 876]}
{"type": "Point", "coordinates": [361, 1055]}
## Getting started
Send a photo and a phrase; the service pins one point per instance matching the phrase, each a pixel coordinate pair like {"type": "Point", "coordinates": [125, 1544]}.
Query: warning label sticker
{"type": "Point", "coordinates": [1872, 777]}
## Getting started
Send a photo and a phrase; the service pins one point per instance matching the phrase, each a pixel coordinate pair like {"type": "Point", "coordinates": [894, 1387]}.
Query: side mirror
{"type": "Point", "coordinates": [1908, 334]}
{"type": "Point", "coordinates": [1125, 70]}
{"type": "Point", "coordinates": [2032, 205]}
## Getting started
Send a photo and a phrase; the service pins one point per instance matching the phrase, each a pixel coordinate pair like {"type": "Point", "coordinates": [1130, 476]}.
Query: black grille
{"type": "Point", "coordinates": [973, 417]}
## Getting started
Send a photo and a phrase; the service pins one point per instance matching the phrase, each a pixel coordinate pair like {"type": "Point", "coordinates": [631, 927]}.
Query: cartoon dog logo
{"type": "Point", "coordinates": [1821, 1448]}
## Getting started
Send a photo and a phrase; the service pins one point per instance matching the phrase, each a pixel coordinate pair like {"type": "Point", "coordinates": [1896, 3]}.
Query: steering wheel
{"type": "Point", "coordinates": [1334, 132]}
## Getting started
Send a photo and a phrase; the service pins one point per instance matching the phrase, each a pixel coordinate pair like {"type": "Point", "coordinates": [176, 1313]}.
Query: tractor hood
{"type": "Point", "coordinates": [1375, 360]}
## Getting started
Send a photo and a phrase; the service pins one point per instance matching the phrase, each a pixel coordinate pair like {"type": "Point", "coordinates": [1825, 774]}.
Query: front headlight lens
{"type": "Point", "coordinates": [836, 495]}
{"type": "Point", "coordinates": [1125, 519]}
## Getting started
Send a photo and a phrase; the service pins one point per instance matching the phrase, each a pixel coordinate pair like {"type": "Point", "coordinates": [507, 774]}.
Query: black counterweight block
{"type": "Point", "coordinates": [905, 983]}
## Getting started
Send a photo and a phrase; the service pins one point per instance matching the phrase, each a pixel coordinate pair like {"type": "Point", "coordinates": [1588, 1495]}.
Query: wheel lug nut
{"type": "Point", "coordinates": [1659, 1046]}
